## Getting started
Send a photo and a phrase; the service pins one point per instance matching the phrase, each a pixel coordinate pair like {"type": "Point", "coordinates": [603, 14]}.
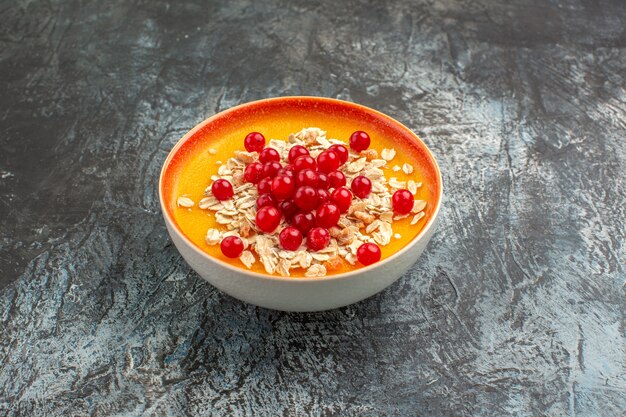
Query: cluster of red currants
{"type": "Point", "coordinates": [310, 193]}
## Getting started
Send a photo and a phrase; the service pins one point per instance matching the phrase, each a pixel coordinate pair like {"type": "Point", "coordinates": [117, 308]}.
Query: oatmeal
{"type": "Point", "coordinates": [309, 204]}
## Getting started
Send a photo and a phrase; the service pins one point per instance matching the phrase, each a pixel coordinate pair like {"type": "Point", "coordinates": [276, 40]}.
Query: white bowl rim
{"type": "Point", "coordinates": [344, 275]}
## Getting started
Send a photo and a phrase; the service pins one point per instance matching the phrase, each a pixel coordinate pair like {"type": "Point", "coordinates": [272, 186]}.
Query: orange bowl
{"type": "Point", "coordinates": [293, 113]}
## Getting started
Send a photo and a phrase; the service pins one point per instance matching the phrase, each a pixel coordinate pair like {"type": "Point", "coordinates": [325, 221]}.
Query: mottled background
{"type": "Point", "coordinates": [517, 307]}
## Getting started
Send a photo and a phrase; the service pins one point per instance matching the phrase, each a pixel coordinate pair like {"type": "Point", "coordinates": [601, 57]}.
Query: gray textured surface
{"type": "Point", "coordinates": [516, 308]}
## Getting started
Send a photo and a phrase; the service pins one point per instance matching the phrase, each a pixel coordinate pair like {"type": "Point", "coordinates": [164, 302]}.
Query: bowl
{"type": "Point", "coordinates": [289, 293]}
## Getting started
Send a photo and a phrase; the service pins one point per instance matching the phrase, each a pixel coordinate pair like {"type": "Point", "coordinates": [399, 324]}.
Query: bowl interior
{"type": "Point", "coordinates": [277, 115]}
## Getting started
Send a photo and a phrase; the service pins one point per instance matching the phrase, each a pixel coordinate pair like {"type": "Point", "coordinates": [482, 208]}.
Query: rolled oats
{"type": "Point", "coordinates": [418, 205]}
{"type": "Point", "coordinates": [247, 258]}
{"type": "Point", "coordinates": [367, 220]}
{"type": "Point", "coordinates": [388, 154]}
{"type": "Point", "coordinates": [417, 217]}
{"type": "Point", "coordinates": [184, 201]}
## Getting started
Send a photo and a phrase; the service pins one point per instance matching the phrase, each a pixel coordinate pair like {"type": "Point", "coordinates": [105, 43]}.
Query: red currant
{"type": "Point", "coordinates": [290, 238]}
{"type": "Point", "coordinates": [283, 187]}
{"type": "Point", "coordinates": [359, 141]}
{"type": "Point", "coordinates": [254, 142]}
{"type": "Point", "coordinates": [341, 151]}
{"type": "Point", "coordinates": [304, 162]}
{"type": "Point", "coordinates": [270, 169]}
{"type": "Point", "coordinates": [269, 155]}
{"type": "Point", "coordinates": [287, 170]}
{"type": "Point", "coordinates": [265, 200]}
{"type": "Point", "coordinates": [222, 189]}
{"type": "Point", "coordinates": [297, 151]}
{"type": "Point", "coordinates": [322, 196]}
{"type": "Point", "coordinates": [304, 221]}
{"type": "Point", "coordinates": [264, 186]}
{"type": "Point", "coordinates": [231, 246]}
{"type": "Point", "coordinates": [288, 208]}
{"type": "Point", "coordinates": [342, 197]}
{"type": "Point", "coordinates": [317, 238]}
{"type": "Point", "coordinates": [322, 181]}
{"type": "Point", "coordinates": [328, 161]}
{"type": "Point", "coordinates": [402, 202]}
{"type": "Point", "coordinates": [336, 179]}
{"type": "Point", "coordinates": [361, 186]}
{"type": "Point", "coordinates": [327, 215]}
{"type": "Point", "coordinates": [253, 172]}
{"type": "Point", "coordinates": [307, 177]}
{"type": "Point", "coordinates": [306, 198]}
{"type": "Point", "coordinates": [268, 219]}
{"type": "Point", "coordinates": [368, 253]}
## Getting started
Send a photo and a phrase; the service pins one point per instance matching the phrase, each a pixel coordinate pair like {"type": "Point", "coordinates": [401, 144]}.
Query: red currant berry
{"type": "Point", "coordinates": [283, 187]}
{"type": "Point", "coordinates": [304, 221]}
{"type": "Point", "coordinates": [254, 142]}
{"type": "Point", "coordinates": [327, 215]}
{"type": "Point", "coordinates": [402, 202]}
{"type": "Point", "coordinates": [317, 238]}
{"type": "Point", "coordinates": [231, 246]}
{"type": "Point", "coordinates": [287, 170]}
{"type": "Point", "coordinates": [265, 200]}
{"type": "Point", "coordinates": [288, 208]}
{"type": "Point", "coordinates": [342, 197]}
{"type": "Point", "coordinates": [306, 198]}
{"type": "Point", "coordinates": [304, 162]}
{"type": "Point", "coordinates": [328, 161]}
{"type": "Point", "coordinates": [297, 151]}
{"type": "Point", "coordinates": [337, 179]}
{"type": "Point", "coordinates": [264, 186]}
{"type": "Point", "coordinates": [253, 172]}
{"type": "Point", "coordinates": [341, 151]}
{"type": "Point", "coordinates": [290, 238]}
{"type": "Point", "coordinates": [359, 141]}
{"type": "Point", "coordinates": [322, 196]}
{"type": "Point", "coordinates": [322, 181]}
{"type": "Point", "coordinates": [267, 219]}
{"type": "Point", "coordinates": [269, 155]}
{"type": "Point", "coordinates": [307, 177]}
{"type": "Point", "coordinates": [361, 186]}
{"type": "Point", "coordinates": [270, 169]}
{"type": "Point", "coordinates": [222, 189]}
{"type": "Point", "coordinates": [368, 253]}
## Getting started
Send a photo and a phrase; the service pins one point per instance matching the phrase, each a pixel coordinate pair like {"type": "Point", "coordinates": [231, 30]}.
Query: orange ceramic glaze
{"type": "Point", "coordinates": [190, 165]}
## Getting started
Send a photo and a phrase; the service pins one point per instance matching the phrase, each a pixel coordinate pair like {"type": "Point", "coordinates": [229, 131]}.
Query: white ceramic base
{"type": "Point", "coordinates": [301, 294]}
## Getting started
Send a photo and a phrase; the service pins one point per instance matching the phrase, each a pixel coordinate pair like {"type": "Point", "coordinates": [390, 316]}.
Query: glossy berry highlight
{"type": "Point", "coordinates": [269, 155]}
{"type": "Point", "coordinates": [342, 197]}
{"type": "Point", "coordinates": [303, 221]}
{"type": "Point", "coordinates": [222, 189]}
{"type": "Point", "coordinates": [267, 219]}
{"type": "Point", "coordinates": [253, 172]}
{"type": "Point", "coordinates": [328, 161]}
{"type": "Point", "coordinates": [361, 186]}
{"type": "Point", "coordinates": [336, 179]}
{"type": "Point", "coordinates": [283, 187]}
{"type": "Point", "coordinates": [359, 141]}
{"type": "Point", "coordinates": [231, 246]}
{"type": "Point", "coordinates": [317, 238]}
{"type": "Point", "coordinates": [306, 198]}
{"type": "Point", "coordinates": [402, 202]}
{"type": "Point", "coordinates": [297, 151]}
{"type": "Point", "coordinates": [265, 200]}
{"type": "Point", "coordinates": [341, 151]}
{"type": "Point", "coordinates": [368, 253]}
{"type": "Point", "coordinates": [254, 142]}
{"type": "Point", "coordinates": [290, 238]}
{"type": "Point", "coordinates": [327, 215]}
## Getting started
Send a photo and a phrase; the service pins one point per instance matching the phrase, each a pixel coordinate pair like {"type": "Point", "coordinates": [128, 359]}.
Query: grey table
{"type": "Point", "coordinates": [517, 306]}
